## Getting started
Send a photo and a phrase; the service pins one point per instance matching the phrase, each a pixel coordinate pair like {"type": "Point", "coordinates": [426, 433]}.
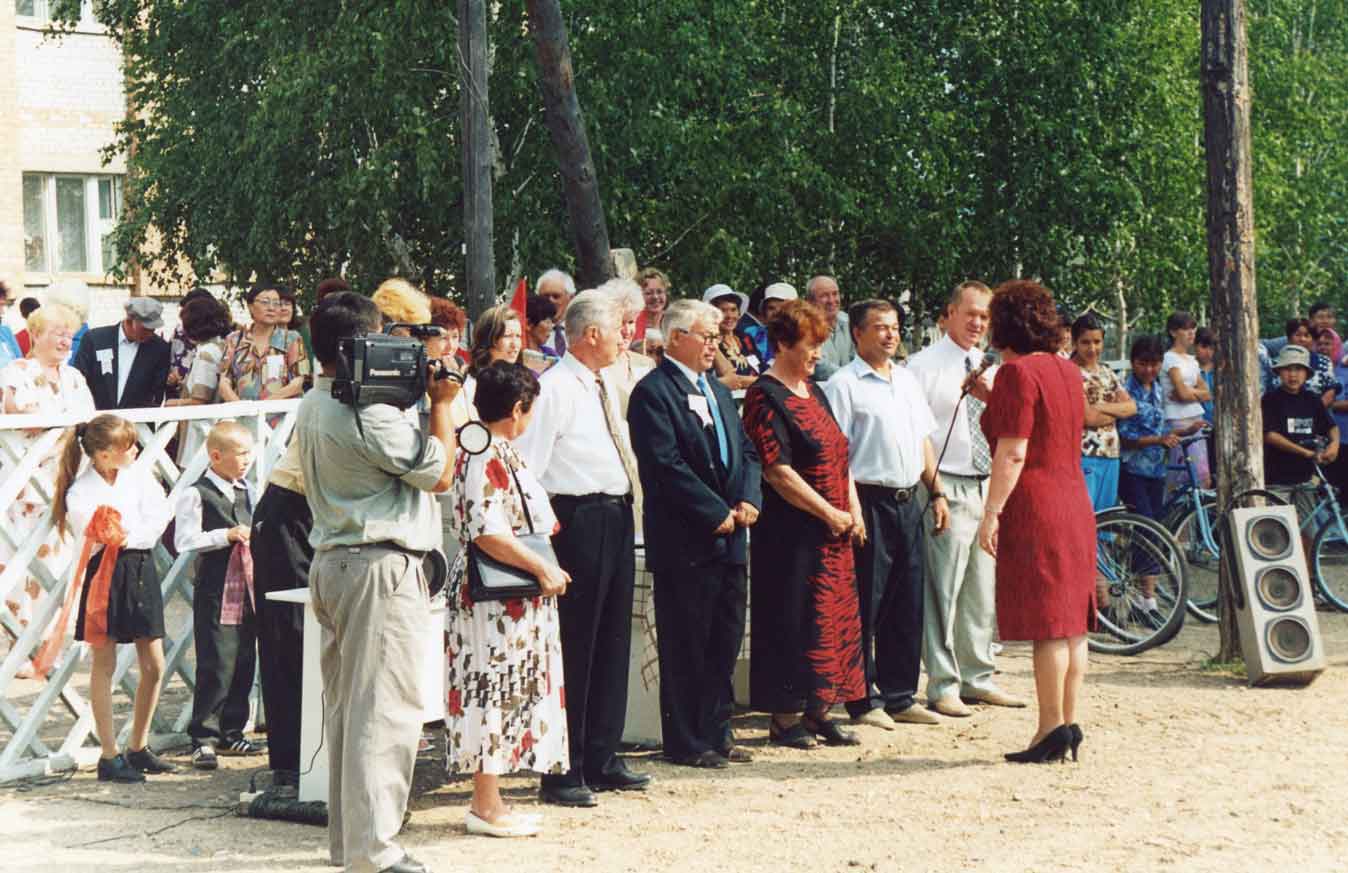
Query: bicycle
{"type": "Point", "coordinates": [1328, 558]}
{"type": "Point", "coordinates": [1189, 513]}
{"type": "Point", "coordinates": [1136, 556]}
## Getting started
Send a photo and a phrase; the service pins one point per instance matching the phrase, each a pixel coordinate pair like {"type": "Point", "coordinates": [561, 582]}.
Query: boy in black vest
{"type": "Point", "coordinates": [214, 517]}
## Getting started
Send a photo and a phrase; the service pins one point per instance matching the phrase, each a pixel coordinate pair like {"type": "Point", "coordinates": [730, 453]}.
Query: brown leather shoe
{"type": "Point", "coordinates": [994, 697]}
{"type": "Point", "coordinates": [951, 706]}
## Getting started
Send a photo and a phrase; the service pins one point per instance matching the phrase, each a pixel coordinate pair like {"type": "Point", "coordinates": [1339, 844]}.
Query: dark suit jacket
{"type": "Point", "coordinates": [149, 374]}
{"type": "Point", "coordinates": [688, 493]}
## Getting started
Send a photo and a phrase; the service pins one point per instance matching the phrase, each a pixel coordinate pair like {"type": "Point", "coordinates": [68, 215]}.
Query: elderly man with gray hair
{"type": "Point", "coordinates": [703, 489]}
{"type": "Point", "coordinates": [575, 444]}
{"type": "Point", "coordinates": [837, 350]}
{"type": "Point", "coordinates": [557, 288]}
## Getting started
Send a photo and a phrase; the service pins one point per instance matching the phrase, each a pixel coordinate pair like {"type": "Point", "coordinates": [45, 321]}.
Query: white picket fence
{"type": "Point", "coordinates": [34, 737]}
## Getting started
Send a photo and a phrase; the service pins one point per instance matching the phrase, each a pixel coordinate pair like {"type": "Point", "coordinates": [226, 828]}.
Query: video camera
{"type": "Point", "coordinates": [382, 368]}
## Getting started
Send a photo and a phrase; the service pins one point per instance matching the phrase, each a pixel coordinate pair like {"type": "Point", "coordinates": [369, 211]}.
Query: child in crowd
{"type": "Point", "coordinates": [1106, 402]}
{"type": "Point", "coordinates": [214, 517]}
{"type": "Point", "coordinates": [1185, 392]}
{"type": "Point", "coordinates": [121, 514]}
{"type": "Point", "coordinates": [1293, 417]}
{"type": "Point", "coordinates": [1338, 408]}
{"type": "Point", "coordinates": [1205, 350]}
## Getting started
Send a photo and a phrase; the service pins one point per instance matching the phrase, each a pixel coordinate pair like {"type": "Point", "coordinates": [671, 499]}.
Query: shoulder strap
{"type": "Point", "coordinates": [524, 503]}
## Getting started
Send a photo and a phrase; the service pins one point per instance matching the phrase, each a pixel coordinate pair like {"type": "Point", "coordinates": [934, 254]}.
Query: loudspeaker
{"type": "Point", "coordinates": [1275, 607]}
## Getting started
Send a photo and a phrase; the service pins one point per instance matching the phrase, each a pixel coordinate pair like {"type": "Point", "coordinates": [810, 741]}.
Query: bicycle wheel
{"type": "Point", "coordinates": [1135, 554]}
{"type": "Point", "coordinates": [1329, 565]}
{"type": "Point", "coordinates": [1202, 557]}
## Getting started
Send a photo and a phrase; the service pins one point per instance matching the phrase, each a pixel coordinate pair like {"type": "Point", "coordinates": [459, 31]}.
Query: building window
{"type": "Point", "coordinates": [68, 222]}
{"type": "Point", "coordinates": [42, 10]}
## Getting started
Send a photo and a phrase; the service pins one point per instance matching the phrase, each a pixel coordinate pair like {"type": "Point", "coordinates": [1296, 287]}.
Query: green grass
{"type": "Point", "coordinates": [1230, 668]}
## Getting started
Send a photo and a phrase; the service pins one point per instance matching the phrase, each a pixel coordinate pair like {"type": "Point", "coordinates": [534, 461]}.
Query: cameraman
{"type": "Point", "coordinates": [374, 520]}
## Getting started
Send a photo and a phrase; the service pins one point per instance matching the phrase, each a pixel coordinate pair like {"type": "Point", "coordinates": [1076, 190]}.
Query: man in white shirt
{"type": "Point", "coordinates": [881, 409]}
{"type": "Point", "coordinates": [960, 608]}
{"type": "Point", "coordinates": [558, 288]}
{"type": "Point", "coordinates": [575, 447]}
{"type": "Point", "coordinates": [837, 350]}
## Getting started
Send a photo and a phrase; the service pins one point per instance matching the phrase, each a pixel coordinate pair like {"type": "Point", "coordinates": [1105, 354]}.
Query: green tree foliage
{"type": "Point", "coordinates": [902, 145]}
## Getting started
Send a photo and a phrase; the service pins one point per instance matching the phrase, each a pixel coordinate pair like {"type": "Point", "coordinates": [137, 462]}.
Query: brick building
{"type": "Point", "coordinates": [60, 98]}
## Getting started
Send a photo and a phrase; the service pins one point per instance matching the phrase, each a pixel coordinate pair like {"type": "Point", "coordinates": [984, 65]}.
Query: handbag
{"type": "Point", "coordinates": [490, 579]}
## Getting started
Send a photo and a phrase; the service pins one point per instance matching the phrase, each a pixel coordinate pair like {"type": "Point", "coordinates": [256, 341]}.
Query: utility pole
{"type": "Point", "coordinates": [1235, 312]}
{"type": "Point", "coordinates": [475, 127]}
{"type": "Point", "coordinates": [589, 232]}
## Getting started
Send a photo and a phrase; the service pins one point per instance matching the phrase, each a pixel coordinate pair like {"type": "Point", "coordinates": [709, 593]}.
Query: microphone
{"type": "Point", "coordinates": [989, 359]}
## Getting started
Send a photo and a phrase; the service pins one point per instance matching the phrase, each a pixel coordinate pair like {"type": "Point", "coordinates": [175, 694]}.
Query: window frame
{"type": "Point", "coordinates": [95, 227]}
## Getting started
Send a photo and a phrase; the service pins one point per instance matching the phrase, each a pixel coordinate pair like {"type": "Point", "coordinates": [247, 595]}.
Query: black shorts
{"type": "Point", "coordinates": [135, 602]}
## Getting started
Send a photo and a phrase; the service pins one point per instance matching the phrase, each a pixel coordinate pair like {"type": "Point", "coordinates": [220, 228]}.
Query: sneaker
{"type": "Point", "coordinates": [203, 758]}
{"type": "Point", "coordinates": [242, 747]}
{"type": "Point", "coordinates": [116, 769]}
{"type": "Point", "coordinates": [146, 761]}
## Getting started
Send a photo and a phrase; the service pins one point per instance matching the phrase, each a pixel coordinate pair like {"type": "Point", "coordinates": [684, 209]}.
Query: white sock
{"type": "Point", "coordinates": [1149, 604]}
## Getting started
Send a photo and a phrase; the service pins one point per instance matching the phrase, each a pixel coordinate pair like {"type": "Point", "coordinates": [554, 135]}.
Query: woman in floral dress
{"type": "Point", "coordinates": [41, 384]}
{"type": "Point", "coordinates": [505, 708]}
{"type": "Point", "coordinates": [266, 361]}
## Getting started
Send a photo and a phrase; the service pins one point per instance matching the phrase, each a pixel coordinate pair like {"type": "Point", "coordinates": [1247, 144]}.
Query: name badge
{"type": "Point", "coordinates": [104, 361]}
{"type": "Point", "coordinates": [753, 361]}
{"type": "Point", "coordinates": [698, 404]}
{"type": "Point", "coordinates": [275, 367]}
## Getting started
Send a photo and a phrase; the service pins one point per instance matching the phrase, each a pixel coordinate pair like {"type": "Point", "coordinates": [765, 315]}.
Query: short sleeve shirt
{"type": "Point", "coordinates": [367, 487]}
{"type": "Point", "coordinates": [1148, 462]}
{"type": "Point", "coordinates": [1192, 375]}
{"type": "Point", "coordinates": [259, 374]}
{"type": "Point", "coordinates": [1299, 417]}
{"type": "Point", "coordinates": [1103, 441]}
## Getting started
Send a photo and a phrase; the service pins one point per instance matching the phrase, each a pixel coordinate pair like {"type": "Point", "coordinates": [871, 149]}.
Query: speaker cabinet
{"type": "Point", "coordinates": [1275, 607]}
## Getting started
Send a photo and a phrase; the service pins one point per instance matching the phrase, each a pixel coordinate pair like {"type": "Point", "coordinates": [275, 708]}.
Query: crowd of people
{"type": "Point", "coordinates": [779, 459]}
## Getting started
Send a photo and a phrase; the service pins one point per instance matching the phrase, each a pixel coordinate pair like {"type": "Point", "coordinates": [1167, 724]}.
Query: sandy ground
{"type": "Point", "coordinates": [1182, 770]}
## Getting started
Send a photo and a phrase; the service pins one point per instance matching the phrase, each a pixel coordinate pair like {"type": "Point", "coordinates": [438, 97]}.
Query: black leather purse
{"type": "Point", "coordinates": [489, 579]}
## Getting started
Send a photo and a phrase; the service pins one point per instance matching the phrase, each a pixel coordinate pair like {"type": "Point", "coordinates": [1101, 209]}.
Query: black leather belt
{"type": "Point", "coordinates": [586, 499]}
{"type": "Point", "coordinates": [899, 495]}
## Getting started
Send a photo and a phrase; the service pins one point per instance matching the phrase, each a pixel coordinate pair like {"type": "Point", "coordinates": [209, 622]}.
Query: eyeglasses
{"type": "Point", "coordinates": [269, 301]}
{"type": "Point", "coordinates": [707, 339]}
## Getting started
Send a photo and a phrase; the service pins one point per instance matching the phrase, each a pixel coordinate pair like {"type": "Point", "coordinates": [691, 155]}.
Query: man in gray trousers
{"type": "Point", "coordinates": [374, 520]}
{"type": "Point", "coordinates": [959, 608]}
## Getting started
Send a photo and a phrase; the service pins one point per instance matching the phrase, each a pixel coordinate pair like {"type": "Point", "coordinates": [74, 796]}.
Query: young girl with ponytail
{"type": "Point", "coordinates": [121, 514]}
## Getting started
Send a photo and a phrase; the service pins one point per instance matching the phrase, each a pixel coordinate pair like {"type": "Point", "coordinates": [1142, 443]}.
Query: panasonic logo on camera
{"type": "Point", "coordinates": [374, 372]}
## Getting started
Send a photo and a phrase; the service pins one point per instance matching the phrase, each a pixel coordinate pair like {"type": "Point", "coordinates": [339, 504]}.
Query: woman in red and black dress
{"type": "Point", "coordinates": [1037, 521]}
{"type": "Point", "coordinates": [806, 641]}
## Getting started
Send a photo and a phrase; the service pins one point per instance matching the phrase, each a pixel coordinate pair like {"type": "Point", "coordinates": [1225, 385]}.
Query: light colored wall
{"type": "Point", "coordinates": [11, 169]}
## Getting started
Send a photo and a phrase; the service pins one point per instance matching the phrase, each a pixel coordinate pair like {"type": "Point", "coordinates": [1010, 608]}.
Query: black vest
{"type": "Point", "coordinates": [217, 511]}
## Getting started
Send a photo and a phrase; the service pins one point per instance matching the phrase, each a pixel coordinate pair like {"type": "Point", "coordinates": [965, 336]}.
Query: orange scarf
{"type": "Point", "coordinates": [106, 528]}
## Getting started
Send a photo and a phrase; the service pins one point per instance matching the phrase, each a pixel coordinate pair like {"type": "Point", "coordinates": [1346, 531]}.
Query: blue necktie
{"type": "Point", "coordinates": [721, 443]}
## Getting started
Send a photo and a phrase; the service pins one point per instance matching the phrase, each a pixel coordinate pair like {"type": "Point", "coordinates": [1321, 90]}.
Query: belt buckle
{"type": "Point", "coordinates": [903, 495]}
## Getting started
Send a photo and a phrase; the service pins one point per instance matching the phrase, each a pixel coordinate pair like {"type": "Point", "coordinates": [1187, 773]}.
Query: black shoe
{"type": "Point", "coordinates": [735, 754]}
{"type": "Point", "coordinates": [117, 770]}
{"type": "Point", "coordinates": [408, 864]}
{"type": "Point", "coordinates": [146, 761]}
{"type": "Point", "coordinates": [1053, 747]}
{"type": "Point", "coordinates": [827, 730]}
{"type": "Point", "coordinates": [1077, 737]}
{"type": "Point", "coordinates": [794, 737]}
{"type": "Point", "coordinates": [708, 760]}
{"type": "Point", "coordinates": [618, 778]}
{"type": "Point", "coordinates": [567, 795]}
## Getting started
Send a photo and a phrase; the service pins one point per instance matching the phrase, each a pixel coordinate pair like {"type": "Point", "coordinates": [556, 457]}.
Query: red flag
{"type": "Point", "coordinates": [519, 301]}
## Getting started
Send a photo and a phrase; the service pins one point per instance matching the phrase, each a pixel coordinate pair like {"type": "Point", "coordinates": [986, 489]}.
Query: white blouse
{"type": "Point", "coordinates": [137, 495]}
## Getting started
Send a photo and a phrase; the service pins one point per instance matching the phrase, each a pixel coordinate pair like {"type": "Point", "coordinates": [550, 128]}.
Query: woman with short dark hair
{"type": "Point", "coordinates": [1037, 520]}
{"type": "Point", "coordinates": [204, 323]}
{"type": "Point", "coordinates": [806, 641]}
{"type": "Point", "coordinates": [505, 710]}
{"type": "Point", "coordinates": [267, 360]}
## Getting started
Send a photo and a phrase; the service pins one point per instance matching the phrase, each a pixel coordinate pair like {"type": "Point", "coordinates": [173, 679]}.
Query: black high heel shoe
{"type": "Point", "coordinates": [1053, 747]}
{"type": "Point", "coordinates": [1077, 737]}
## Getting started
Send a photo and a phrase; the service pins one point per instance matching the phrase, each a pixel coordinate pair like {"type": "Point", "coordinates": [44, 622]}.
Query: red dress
{"type": "Point", "coordinates": [1046, 541]}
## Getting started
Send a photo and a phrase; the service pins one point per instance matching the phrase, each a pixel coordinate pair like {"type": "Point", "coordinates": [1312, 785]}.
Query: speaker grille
{"type": "Point", "coordinates": [1289, 639]}
{"type": "Point", "coordinates": [1270, 539]}
{"type": "Point", "coordinates": [1278, 588]}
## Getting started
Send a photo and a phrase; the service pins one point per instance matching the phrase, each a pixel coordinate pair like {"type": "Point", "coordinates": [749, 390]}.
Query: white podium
{"type": "Point", "coordinates": [314, 776]}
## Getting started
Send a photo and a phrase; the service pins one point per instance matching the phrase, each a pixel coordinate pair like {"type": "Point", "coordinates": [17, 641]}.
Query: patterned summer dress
{"type": "Point", "coordinates": [506, 707]}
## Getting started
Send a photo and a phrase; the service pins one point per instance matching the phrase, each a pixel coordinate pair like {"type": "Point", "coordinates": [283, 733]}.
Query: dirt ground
{"type": "Point", "coordinates": [1182, 770]}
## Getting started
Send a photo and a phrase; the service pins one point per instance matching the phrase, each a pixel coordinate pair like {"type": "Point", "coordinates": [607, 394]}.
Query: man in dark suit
{"type": "Point", "coordinates": [127, 364]}
{"type": "Point", "coordinates": [703, 489]}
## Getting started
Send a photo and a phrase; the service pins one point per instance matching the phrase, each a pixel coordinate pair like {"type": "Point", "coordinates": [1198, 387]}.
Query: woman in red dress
{"type": "Point", "coordinates": [1038, 521]}
{"type": "Point", "coordinates": [805, 649]}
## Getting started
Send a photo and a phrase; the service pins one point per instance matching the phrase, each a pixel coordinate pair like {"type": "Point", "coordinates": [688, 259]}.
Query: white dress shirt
{"type": "Point", "coordinates": [126, 356]}
{"type": "Point", "coordinates": [137, 495]}
{"type": "Point", "coordinates": [886, 421]}
{"type": "Point", "coordinates": [187, 533]}
{"type": "Point", "coordinates": [567, 444]}
{"type": "Point", "coordinates": [940, 371]}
